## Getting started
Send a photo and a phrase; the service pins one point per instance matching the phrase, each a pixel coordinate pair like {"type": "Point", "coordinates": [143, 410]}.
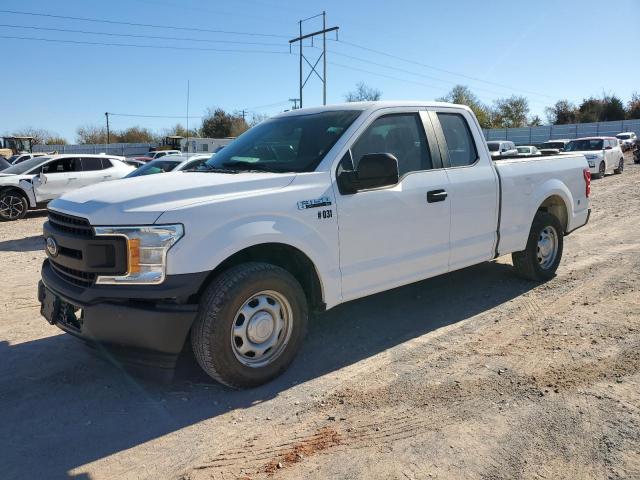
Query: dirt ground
{"type": "Point", "coordinates": [475, 374]}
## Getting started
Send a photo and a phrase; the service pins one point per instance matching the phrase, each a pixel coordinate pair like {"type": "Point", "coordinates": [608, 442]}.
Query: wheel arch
{"type": "Point", "coordinates": [285, 256]}
{"type": "Point", "coordinates": [30, 198]}
{"type": "Point", "coordinates": [556, 205]}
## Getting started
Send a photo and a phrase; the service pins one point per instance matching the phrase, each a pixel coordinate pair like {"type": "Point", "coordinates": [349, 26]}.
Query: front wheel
{"type": "Point", "coordinates": [620, 167]}
{"type": "Point", "coordinates": [541, 257]}
{"type": "Point", "coordinates": [250, 325]}
{"type": "Point", "coordinates": [13, 205]}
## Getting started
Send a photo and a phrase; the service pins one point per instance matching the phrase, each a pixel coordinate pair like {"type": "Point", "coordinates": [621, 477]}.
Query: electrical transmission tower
{"type": "Point", "coordinates": [323, 55]}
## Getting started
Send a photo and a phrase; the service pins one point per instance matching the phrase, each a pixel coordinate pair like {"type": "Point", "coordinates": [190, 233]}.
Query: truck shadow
{"type": "Point", "coordinates": [28, 244]}
{"type": "Point", "coordinates": [62, 407]}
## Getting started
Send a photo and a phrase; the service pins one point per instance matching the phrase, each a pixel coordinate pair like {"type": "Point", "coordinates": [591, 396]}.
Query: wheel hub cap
{"type": "Point", "coordinates": [261, 329]}
{"type": "Point", "coordinates": [547, 247]}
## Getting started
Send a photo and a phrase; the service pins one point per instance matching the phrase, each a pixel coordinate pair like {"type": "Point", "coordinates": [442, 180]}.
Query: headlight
{"type": "Point", "coordinates": [147, 248]}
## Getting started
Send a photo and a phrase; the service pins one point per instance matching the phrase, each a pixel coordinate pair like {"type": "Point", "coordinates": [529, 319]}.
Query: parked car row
{"type": "Point", "coordinates": [38, 180]}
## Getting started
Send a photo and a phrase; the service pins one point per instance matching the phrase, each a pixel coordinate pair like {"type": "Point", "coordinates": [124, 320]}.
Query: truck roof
{"type": "Point", "coordinates": [370, 106]}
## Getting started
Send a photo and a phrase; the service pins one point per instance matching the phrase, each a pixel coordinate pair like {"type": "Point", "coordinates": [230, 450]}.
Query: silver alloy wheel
{"type": "Point", "coordinates": [261, 329]}
{"type": "Point", "coordinates": [11, 206]}
{"type": "Point", "coordinates": [547, 247]}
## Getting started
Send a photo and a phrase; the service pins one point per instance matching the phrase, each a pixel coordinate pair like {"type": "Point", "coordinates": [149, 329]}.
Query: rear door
{"type": "Point", "coordinates": [92, 171]}
{"type": "Point", "coordinates": [398, 234]}
{"type": "Point", "coordinates": [473, 187]}
{"type": "Point", "coordinates": [59, 176]}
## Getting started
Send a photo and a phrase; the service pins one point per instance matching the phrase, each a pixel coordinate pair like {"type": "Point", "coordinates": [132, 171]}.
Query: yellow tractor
{"type": "Point", "coordinates": [10, 146]}
{"type": "Point", "coordinates": [171, 142]}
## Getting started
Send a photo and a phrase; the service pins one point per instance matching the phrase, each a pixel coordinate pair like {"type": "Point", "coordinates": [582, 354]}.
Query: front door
{"type": "Point", "coordinates": [58, 177]}
{"type": "Point", "coordinates": [399, 234]}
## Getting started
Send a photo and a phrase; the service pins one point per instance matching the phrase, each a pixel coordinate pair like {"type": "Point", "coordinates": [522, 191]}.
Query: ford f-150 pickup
{"type": "Point", "coordinates": [307, 210]}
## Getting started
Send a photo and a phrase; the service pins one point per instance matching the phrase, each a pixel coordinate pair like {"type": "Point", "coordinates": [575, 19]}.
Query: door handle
{"type": "Point", "coordinates": [73, 178]}
{"type": "Point", "coordinates": [107, 176]}
{"type": "Point", "coordinates": [436, 196]}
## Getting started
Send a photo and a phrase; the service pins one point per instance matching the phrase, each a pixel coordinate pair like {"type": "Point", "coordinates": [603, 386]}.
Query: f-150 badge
{"type": "Point", "coordinates": [315, 203]}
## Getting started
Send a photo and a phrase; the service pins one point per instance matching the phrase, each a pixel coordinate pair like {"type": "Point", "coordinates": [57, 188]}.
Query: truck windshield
{"type": "Point", "coordinates": [296, 143]}
{"type": "Point", "coordinates": [623, 137]}
{"type": "Point", "coordinates": [153, 167]}
{"type": "Point", "coordinates": [583, 145]}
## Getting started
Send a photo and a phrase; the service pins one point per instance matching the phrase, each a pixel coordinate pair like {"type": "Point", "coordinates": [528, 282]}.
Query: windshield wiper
{"type": "Point", "coordinates": [209, 169]}
{"type": "Point", "coordinates": [251, 167]}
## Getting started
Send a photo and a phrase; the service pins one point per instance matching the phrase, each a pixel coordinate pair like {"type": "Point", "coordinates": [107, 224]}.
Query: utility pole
{"type": "Point", "coordinates": [295, 103]}
{"type": "Point", "coordinates": [187, 143]}
{"type": "Point", "coordinates": [106, 114]}
{"type": "Point", "coordinates": [243, 112]}
{"type": "Point", "coordinates": [323, 55]}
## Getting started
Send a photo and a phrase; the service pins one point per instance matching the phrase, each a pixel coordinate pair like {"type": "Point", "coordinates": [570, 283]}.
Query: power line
{"type": "Point", "coordinates": [163, 47]}
{"type": "Point", "coordinates": [352, 57]}
{"type": "Point", "coordinates": [151, 116]}
{"type": "Point", "coordinates": [441, 69]}
{"type": "Point", "coordinates": [131, 35]}
{"type": "Point", "coordinates": [135, 24]}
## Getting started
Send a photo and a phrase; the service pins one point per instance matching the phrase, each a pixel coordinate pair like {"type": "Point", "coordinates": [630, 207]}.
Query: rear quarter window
{"type": "Point", "coordinates": [460, 144]}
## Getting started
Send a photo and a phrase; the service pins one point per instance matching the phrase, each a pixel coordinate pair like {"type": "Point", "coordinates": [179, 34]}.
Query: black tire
{"type": "Point", "coordinates": [211, 334]}
{"type": "Point", "coordinates": [13, 205]}
{"type": "Point", "coordinates": [620, 167]}
{"type": "Point", "coordinates": [526, 262]}
{"type": "Point", "coordinates": [601, 171]}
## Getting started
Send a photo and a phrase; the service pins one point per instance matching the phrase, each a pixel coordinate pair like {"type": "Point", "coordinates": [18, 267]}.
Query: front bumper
{"type": "Point", "coordinates": [143, 322]}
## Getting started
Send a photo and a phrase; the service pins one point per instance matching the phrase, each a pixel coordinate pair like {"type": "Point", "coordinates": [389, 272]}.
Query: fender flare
{"type": "Point", "coordinates": [29, 195]}
{"type": "Point", "coordinates": [552, 188]}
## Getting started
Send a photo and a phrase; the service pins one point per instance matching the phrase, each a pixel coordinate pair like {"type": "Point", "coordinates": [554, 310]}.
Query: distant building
{"type": "Point", "coordinates": [203, 145]}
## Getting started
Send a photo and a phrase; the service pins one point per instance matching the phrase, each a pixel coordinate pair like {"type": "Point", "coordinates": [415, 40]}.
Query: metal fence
{"type": "Point", "coordinates": [124, 149]}
{"type": "Point", "coordinates": [537, 135]}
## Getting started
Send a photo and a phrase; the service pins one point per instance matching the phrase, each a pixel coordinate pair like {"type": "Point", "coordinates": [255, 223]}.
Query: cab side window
{"type": "Point", "coordinates": [460, 144]}
{"type": "Point", "coordinates": [401, 135]}
{"type": "Point", "coordinates": [63, 165]}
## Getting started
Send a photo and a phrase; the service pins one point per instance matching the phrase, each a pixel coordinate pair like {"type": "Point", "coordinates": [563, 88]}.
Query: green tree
{"type": "Point", "coordinates": [220, 124]}
{"type": "Point", "coordinates": [535, 121]}
{"type": "Point", "coordinates": [179, 130]}
{"type": "Point", "coordinates": [462, 95]}
{"type": "Point", "coordinates": [561, 113]}
{"type": "Point", "coordinates": [590, 110]}
{"type": "Point", "coordinates": [633, 107]}
{"type": "Point", "coordinates": [612, 109]}
{"type": "Point", "coordinates": [134, 135]}
{"type": "Point", "coordinates": [55, 140]}
{"type": "Point", "coordinates": [510, 112]}
{"type": "Point", "coordinates": [363, 93]}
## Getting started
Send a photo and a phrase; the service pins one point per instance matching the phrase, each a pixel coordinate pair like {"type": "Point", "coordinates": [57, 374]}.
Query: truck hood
{"type": "Point", "coordinates": [141, 200]}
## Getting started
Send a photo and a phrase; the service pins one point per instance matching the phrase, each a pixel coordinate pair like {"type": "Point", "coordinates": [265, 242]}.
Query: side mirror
{"type": "Point", "coordinates": [43, 178]}
{"type": "Point", "coordinates": [375, 170]}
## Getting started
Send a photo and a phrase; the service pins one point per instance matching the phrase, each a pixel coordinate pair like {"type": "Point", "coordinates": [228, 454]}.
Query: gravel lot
{"type": "Point", "coordinates": [475, 374]}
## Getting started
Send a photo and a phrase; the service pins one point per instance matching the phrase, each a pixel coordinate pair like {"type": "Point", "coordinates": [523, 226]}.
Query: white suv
{"type": "Point", "coordinates": [603, 154]}
{"type": "Point", "coordinates": [162, 153]}
{"type": "Point", "coordinates": [41, 179]}
{"type": "Point", "coordinates": [499, 148]}
{"type": "Point", "coordinates": [628, 139]}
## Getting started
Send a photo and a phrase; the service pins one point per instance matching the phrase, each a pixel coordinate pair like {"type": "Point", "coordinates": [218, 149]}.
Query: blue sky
{"type": "Point", "coordinates": [544, 50]}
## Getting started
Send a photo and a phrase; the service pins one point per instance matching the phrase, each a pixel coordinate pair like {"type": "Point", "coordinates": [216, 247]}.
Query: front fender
{"type": "Point", "coordinates": [204, 247]}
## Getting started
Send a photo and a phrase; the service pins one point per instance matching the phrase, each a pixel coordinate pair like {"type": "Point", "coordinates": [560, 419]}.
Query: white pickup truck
{"type": "Point", "coordinates": [307, 210]}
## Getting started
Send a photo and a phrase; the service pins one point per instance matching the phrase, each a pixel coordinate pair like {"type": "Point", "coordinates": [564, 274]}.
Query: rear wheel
{"type": "Point", "coordinates": [250, 325]}
{"type": "Point", "coordinates": [13, 205]}
{"type": "Point", "coordinates": [541, 257]}
{"type": "Point", "coordinates": [620, 167]}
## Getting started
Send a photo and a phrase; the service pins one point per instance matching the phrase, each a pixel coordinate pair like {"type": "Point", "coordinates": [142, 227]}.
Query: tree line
{"type": "Point", "coordinates": [508, 112]}
{"type": "Point", "coordinates": [513, 111]}
{"type": "Point", "coordinates": [216, 123]}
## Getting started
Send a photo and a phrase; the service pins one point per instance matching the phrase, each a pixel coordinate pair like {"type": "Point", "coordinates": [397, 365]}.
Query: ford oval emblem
{"type": "Point", "coordinates": [52, 246]}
